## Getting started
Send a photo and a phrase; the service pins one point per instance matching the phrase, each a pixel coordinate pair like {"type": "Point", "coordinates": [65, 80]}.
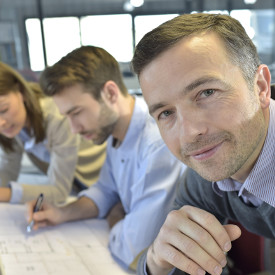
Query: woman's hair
{"type": "Point", "coordinates": [12, 81]}
{"type": "Point", "coordinates": [239, 47]}
{"type": "Point", "coordinates": [88, 65]}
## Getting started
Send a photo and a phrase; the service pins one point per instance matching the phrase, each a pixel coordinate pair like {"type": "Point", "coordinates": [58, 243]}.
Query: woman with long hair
{"type": "Point", "coordinates": [30, 122]}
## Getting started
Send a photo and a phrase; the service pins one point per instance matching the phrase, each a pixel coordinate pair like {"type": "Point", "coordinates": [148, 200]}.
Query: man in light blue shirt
{"type": "Point", "coordinates": [137, 183]}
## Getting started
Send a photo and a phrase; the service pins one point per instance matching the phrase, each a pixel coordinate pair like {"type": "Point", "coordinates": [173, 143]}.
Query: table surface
{"type": "Point", "coordinates": [74, 248]}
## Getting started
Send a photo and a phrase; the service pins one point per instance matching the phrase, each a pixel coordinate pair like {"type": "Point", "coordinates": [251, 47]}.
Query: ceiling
{"type": "Point", "coordinates": [29, 8]}
{"type": "Point", "coordinates": [74, 7]}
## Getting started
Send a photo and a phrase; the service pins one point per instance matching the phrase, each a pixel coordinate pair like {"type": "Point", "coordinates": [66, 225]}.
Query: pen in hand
{"type": "Point", "coordinates": [37, 207]}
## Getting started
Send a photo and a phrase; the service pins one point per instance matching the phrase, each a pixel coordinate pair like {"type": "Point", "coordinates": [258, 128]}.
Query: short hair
{"type": "Point", "coordinates": [88, 65]}
{"type": "Point", "coordinates": [12, 81]}
{"type": "Point", "coordinates": [239, 47]}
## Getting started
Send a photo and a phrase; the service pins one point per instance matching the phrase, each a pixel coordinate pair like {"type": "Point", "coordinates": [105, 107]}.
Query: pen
{"type": "Point", "coordinates": [37, 207]}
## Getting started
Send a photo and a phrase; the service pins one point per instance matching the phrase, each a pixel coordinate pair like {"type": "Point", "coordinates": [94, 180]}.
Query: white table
{"type": "Point", "coordinates": [76, 248]}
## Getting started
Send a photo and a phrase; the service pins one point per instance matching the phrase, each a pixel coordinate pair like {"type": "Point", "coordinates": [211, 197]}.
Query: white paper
{"type": "Point", "coordinates": [76, 248]}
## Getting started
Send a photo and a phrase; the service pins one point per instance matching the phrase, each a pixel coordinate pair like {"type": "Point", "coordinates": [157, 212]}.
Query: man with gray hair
{"type": "Point", "coordinates": [208, 92]}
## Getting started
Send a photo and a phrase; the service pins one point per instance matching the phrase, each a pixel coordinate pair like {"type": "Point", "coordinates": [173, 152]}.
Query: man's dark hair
{"type": "Point", "coordinates": [239, 47]}
{"type": "Point", "coordinates": [88, 65]}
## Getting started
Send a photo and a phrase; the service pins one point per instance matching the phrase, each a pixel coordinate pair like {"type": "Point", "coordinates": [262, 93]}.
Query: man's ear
{"type": "Point", "coordinates": [110, 92]}
{"type": "Point", "coordinates": [263, 79]}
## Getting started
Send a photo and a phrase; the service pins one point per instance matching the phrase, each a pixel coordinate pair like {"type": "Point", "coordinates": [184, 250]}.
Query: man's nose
{"type": "Point", "coordinates": [2, 121]}
{"type": "Point", "coordinates": [191, 125]}
{"type": "Point", "coordinates": [75, 127]}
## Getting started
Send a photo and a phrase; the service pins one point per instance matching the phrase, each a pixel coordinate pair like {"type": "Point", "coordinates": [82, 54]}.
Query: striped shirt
{"type": "Point", "coordinates": [260, 183]}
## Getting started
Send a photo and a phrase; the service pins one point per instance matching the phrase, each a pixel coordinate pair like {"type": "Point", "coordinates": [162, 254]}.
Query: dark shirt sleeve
{"type": "Point", "coordinates": [196, 191]}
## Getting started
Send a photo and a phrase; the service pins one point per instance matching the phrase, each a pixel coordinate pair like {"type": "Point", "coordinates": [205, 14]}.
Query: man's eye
{"type": "Point", "coordinates": [164, 114]}
{"type": "Point", "coordinates": [3, 111]}
{"type": "Point", "coordinates": [207, 93]}
{"type": "Point", "coordinates": [76, 113]}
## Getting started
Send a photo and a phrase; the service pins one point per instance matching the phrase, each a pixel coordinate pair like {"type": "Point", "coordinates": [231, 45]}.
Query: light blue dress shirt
{"type": "Point", "coordinates": [143, 174]}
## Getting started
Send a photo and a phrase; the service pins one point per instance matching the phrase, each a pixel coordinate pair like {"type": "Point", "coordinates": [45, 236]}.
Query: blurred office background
{"type": "Point", "coordinates": [37, 33]}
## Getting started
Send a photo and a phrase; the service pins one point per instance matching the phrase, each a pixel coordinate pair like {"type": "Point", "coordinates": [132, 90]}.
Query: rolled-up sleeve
{"type": "Point", "coordinates": [154, 193]}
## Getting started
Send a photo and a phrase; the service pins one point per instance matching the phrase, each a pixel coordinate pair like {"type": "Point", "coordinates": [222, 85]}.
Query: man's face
{"type": "Point", "coordinates": [88, 117]}
{"type": "Point", "coordinates": [205, 111]}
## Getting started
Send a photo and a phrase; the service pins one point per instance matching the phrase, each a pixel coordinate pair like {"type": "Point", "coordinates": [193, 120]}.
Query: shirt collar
{"type": "Point", "coordinates": [137, 123]}
{"type": "Point", "coordinates": [261, 180]}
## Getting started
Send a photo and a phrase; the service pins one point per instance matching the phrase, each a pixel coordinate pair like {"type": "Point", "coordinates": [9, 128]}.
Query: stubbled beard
{"type": "Point", "coordinates": [104, 133]}
{"type": "Point", "coordinates": [107, 118]}
{"type": "Point", "coordinates": [241, 147]}
{"type": "Point", "coordinates": [203, 141]}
